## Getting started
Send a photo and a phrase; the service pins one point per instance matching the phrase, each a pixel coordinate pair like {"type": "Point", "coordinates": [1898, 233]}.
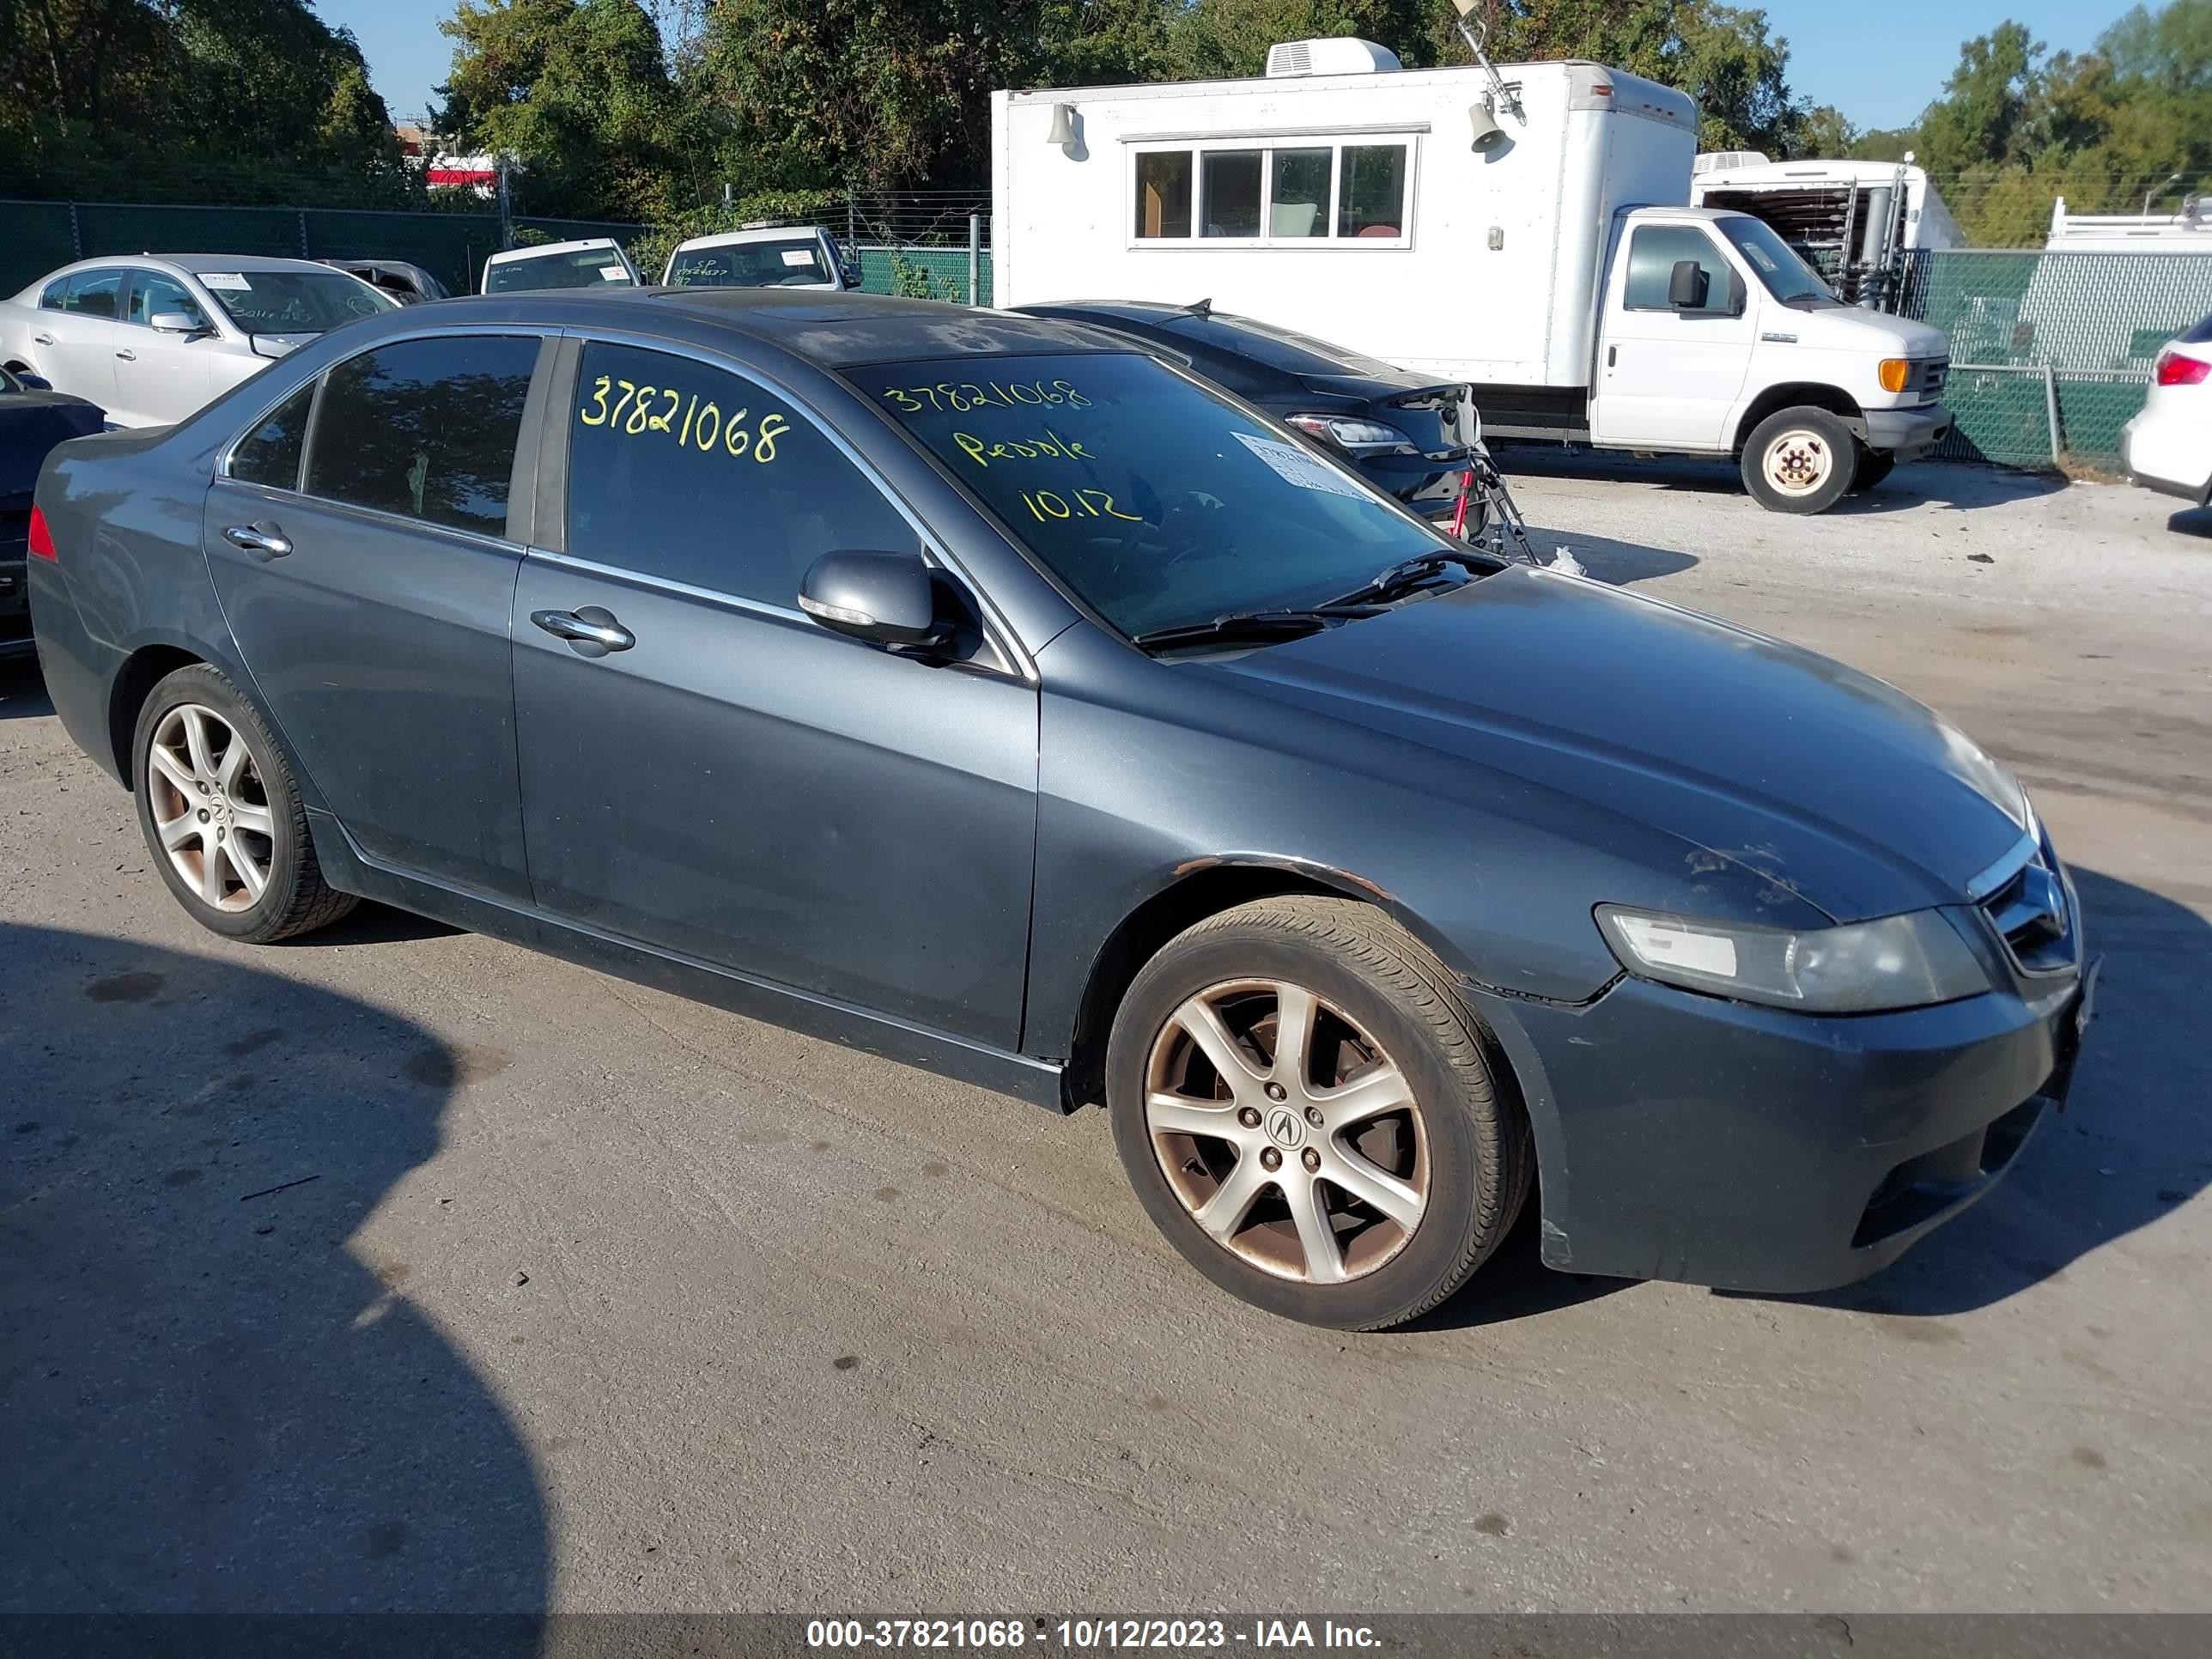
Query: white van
{"type": "Point", "coordinates": [1525, 230]}
{"type": "Point", "coordinates": [595, 262]}
{"type": "Point", "coordinates": [760, 256]}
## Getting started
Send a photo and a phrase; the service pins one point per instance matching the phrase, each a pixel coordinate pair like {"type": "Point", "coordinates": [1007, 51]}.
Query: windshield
{"type": "Point", "coordinates": [798, 262]}
{"type": "Point", "coordinates": [293, 301]}
{"type": "Point", "coordinates": [1159, 504]}
{"type": "Point", "coordinates": [1785, 276]}
{"type": "Point", "coordinates": [579, 267]}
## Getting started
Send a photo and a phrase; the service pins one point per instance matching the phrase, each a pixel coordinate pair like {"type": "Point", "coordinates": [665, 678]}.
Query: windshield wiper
{"type": "Point", "coordinates": [1406, 574]}
{"type": "Point", "coordinates": [1284, 625]}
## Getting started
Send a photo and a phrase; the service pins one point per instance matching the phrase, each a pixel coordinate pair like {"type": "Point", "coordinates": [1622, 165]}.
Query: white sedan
{"type": "Point", "coordinates": [150, 338]}
{"type": "Point", "coordinates": [2168, 446]}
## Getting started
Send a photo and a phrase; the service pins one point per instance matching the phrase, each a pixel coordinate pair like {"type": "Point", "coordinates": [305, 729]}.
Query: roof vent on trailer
{"type": "Point", "coordinates": [1725, 160]}
{"type": "Point", "coordinates": [1338, 56]}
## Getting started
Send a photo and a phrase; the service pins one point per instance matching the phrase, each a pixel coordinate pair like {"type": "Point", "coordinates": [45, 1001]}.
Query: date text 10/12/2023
{"type": "Point", "coordinates": [1087, 1635]}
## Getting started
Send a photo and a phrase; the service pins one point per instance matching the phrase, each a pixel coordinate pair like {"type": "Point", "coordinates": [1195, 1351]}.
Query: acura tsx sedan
{"type": "Point", "coordinates": [979, 692]}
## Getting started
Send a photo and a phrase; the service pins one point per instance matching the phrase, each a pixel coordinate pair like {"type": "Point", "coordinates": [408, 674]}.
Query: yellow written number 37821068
{"type": "Point", "coordinates": [639, 410]}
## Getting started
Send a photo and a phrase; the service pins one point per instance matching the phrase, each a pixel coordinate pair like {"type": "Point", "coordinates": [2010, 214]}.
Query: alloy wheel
{"type": "Point", "coordinates": [1293, 1139]}
{"type": "Point", "coordinates": [210, 809]}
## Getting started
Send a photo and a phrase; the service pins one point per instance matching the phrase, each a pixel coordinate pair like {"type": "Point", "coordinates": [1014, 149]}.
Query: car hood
{"type": "Point", "coordinates": [282, 345]}
{"type": "Point", "coordinates": [1736, 750]}
{"type": "Point", "coordinates": [1853, 328]}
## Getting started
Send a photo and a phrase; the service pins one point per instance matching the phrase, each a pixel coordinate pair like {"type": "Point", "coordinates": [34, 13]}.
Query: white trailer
{"type": "Point", "coordinates": [1527, 230]}
{"type": "Point", "coordinates": [1852, 220]}
{"type": "Point", "coordinates": [2188, 231]}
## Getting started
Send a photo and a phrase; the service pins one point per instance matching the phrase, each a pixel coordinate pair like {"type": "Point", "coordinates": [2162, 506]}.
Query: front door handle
{"type": "Point", "coordinates": [42, 339]}
{"type": "Point", "coordinates": [128, 356]}
{"type": "Point", "coordinates": [589, 625]}
{"type": "Point", "coordinates": [1611, 355]}
{"type": "Point", "coordinates": [265, 538]}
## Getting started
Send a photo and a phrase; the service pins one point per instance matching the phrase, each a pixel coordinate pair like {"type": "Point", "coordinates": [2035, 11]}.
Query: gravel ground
{"type": "Point", "coordinates": [401, 1268]}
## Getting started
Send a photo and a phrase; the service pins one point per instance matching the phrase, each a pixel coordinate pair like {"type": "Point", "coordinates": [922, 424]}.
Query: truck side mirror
{"type": "Point", "coordinates": [1687, 285]}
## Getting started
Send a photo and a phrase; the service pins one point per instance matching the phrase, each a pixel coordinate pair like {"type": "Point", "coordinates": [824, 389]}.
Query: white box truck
{"type": "Point", "coordinates": [1526, 229]}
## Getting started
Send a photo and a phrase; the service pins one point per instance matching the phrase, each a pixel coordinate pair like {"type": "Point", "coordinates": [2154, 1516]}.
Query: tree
{"type": "Point", "coordinates": [579, 91]}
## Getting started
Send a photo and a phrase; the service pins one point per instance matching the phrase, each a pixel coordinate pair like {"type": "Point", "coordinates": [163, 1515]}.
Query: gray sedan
{"type": "Point", "coordinates": [974, 689]}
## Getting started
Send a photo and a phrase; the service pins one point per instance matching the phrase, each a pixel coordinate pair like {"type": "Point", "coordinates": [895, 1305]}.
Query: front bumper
{"type": "Point", "coordinates": [1907, 433]}
{"type": "Point", "coordinates": [1685, 1137]}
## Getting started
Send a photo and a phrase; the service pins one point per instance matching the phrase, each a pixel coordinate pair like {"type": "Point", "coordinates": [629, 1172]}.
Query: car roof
{"type": "Point", "coordinates": [541, 248]}
{"type": "Point", "coordinates": [828, 327]}
{"type": "Point", "coordinates": [760, 233]}
{"type": "Point", "coordinates": [194, 263]}
{"type": "Point", "coordinates": [1285, 350]}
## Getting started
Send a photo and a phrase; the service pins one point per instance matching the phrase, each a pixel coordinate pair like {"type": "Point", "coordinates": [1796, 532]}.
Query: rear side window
{"type": "Point", "coordinates": [56, 295]}
{"type": "Point", "coordinates": [696, 475]}
{"type": "Point", "coordinates": [425, 428]}
{"type": "Point", "coordinates": [94, 293]}
{"type": "Point", "coordinates": [271, 453]}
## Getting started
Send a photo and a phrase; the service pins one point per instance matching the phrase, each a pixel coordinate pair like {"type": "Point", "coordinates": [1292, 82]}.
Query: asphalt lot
{"type": "Point", "coordinates": [399, 1268]}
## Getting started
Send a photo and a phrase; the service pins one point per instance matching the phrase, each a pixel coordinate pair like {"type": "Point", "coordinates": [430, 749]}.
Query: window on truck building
{"type": "Point", "coordinates": [1292, 193]}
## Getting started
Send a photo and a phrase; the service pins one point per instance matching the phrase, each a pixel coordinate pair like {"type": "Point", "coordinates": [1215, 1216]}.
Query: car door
{"type": "Point", "coordinates": [733, 783]}
{"type": "Point", "coordinates": [161, 377]}
{"type": "Point", "coordinates": [1668, 376]}
{"type": "Point", "coordinates": [86, 336]}
{"type": "Point", "coordinates": [358, 538]}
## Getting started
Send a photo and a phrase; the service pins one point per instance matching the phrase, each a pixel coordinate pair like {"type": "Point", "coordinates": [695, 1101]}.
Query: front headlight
{"type": "Point", "coordinates": [1898, 962]}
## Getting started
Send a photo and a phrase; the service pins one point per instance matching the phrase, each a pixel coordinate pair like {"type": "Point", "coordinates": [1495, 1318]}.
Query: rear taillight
{"type": "Point", "coordinates": [42, 539]}
{"type": "Point", "coordinates": [2174, 368]}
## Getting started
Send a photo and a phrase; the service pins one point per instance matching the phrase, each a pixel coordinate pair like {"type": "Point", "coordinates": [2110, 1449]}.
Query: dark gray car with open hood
{"type": "Point", "coordinates": [979, 692]}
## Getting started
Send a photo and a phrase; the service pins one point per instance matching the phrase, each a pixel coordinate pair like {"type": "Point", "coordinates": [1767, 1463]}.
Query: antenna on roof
{"type": "Point", "coordinates": [1200, 307]}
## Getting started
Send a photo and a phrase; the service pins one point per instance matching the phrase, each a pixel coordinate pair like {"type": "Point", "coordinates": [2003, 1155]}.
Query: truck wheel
{"type": "Point", "coordinates": [1874, 466]}
{"type": "Point", "coordinates": [1309, 1112]}
{"type": "Point", "coordinates": [1800, 460]}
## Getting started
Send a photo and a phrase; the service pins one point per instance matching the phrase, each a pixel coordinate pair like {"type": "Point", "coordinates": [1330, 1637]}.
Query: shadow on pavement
{"type": "Point", "coordinates": [22, 693]}
{"type": "Point", "coordinates": [1620, 564]}
{"type": "Point", "coordinates": [1950, 484]}
{"type": "Point", "coordinates": [1514, 1284]}
{"type": "Point", "coordinates": [2192, 521]}
{"type": "Point", "coordinates": [2133, 1144]}
{"type": "Point", "coordinates": [210, 1402]}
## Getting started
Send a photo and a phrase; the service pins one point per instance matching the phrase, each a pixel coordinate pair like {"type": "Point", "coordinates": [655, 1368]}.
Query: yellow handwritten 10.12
{"type": "Point", "coordinates": [703, 426]}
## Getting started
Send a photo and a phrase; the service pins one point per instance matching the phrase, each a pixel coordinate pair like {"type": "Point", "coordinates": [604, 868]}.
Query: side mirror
{"type": "Point", "coordinates": [1687, 285]}
{"type": "Point", "coordinates": [175, 322]}
{"type": "Point", "coordinates": [886, 599]}
{"type": "Point", "coordinates": [849, 273]}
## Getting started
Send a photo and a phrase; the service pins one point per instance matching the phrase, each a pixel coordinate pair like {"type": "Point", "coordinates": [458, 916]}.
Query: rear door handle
{"type": "Point", "coordinates": [42, 339]}
{"type": "Point", "coordinates": [1611, 355]}
{"type": "Point", "coordinates": [128, 356]}
{"type": "Point", "coordinates": [264, 538]}
{"type": "Point", "coordinates": [589, 625]}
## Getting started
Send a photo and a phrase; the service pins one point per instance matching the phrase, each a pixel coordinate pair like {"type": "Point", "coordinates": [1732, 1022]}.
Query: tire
{"type": "Point", "coordinates": [192, 790]}
{"type": "Point", "coordinates": [1874, 465]}
{"type": "Point", "coordinates": [1386, 1026]}
{"type": "Point", "coordinates": [1800, 460]}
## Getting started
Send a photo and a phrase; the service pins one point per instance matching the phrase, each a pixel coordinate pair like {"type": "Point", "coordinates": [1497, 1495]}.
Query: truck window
{"type": "Point", "coordinates": [1164, 193]}
{"type": "Point", "coordinates": [1298, 205]}
{"type": "Point", "coordinates": [1374, 190]}
{"type": "Point", "coordinates": [1653, 252]}
{"type": "Point", "coordinates": [1231, 192]}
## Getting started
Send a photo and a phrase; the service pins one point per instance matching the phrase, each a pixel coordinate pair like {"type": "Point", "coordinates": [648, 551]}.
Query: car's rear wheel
{"type": "Point", "coordinates": [1800, 460]}
{"type": "Point", "coordinates": [222, 815]}
{"type": "Point", "coordinates": [1310, 1114]}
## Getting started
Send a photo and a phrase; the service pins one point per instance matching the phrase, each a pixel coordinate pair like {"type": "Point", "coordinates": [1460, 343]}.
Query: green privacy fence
{"type": "Point", "coordinates": [37, 236]}
{"type": "Point", "coordinates": [2051, 353]}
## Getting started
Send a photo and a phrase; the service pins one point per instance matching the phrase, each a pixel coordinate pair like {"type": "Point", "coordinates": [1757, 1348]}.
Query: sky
{"type": "Point", "coordinates": [1879, 61]}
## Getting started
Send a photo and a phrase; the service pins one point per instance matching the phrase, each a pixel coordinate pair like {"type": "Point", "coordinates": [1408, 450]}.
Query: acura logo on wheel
{"type": "Point", "coordinates": [1285, 1128]}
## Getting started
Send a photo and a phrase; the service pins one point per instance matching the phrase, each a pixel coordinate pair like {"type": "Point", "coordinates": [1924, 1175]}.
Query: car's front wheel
{"type": "Point", "coordinates": [1800, 460]}
{"type": "Point", "coordinates": [1309, 1112]}
{"type": "Point", "coordinates": [222, 815]}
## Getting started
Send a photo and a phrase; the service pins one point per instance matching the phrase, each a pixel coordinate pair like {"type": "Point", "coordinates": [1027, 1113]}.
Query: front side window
{"type": "Point", "coordinates": [95, 294]}
{"type": "Point", "coordinates": [798, 262]}
{"type": "Point", "coordinates": [425, 428]}
{"type": "Point", "coordinates": [1232, 192]}
{"type": "Point", "coordinates": [693, 474]}
{"type": "Point", "coordinates": [1156, 502]}
{"type": "Point", "coordinates": [293, 301]}
{"type": "Point", "coordinates": [152, 294]}
{"type": "Point", "coordinates": [271, 453]}
{"type": "Point", "coordinates": [1164, 194]}
{"type": "Point", "coordinates": [1654, 252]}
{"type": "Point", "coordinates": [589, 267]}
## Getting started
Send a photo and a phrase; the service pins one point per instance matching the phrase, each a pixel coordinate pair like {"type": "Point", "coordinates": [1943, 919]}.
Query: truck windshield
{"type": "Point", "coordinates": [1786, 276]}
{"type": "Point", "coordinates": [796, 262]}
{"type": "Point", "coordinates": [1161, 505]}
{"type": "Point", "coordinates": [589, 267]}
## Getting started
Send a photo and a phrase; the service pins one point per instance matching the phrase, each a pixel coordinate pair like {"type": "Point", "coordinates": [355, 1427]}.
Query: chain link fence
{"type": "Point", "coordinates": [2051, 353]}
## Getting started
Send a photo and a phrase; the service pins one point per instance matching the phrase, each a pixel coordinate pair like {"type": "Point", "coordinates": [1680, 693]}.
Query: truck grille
{"type": "Point", "coordinates": [1933, 374]}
